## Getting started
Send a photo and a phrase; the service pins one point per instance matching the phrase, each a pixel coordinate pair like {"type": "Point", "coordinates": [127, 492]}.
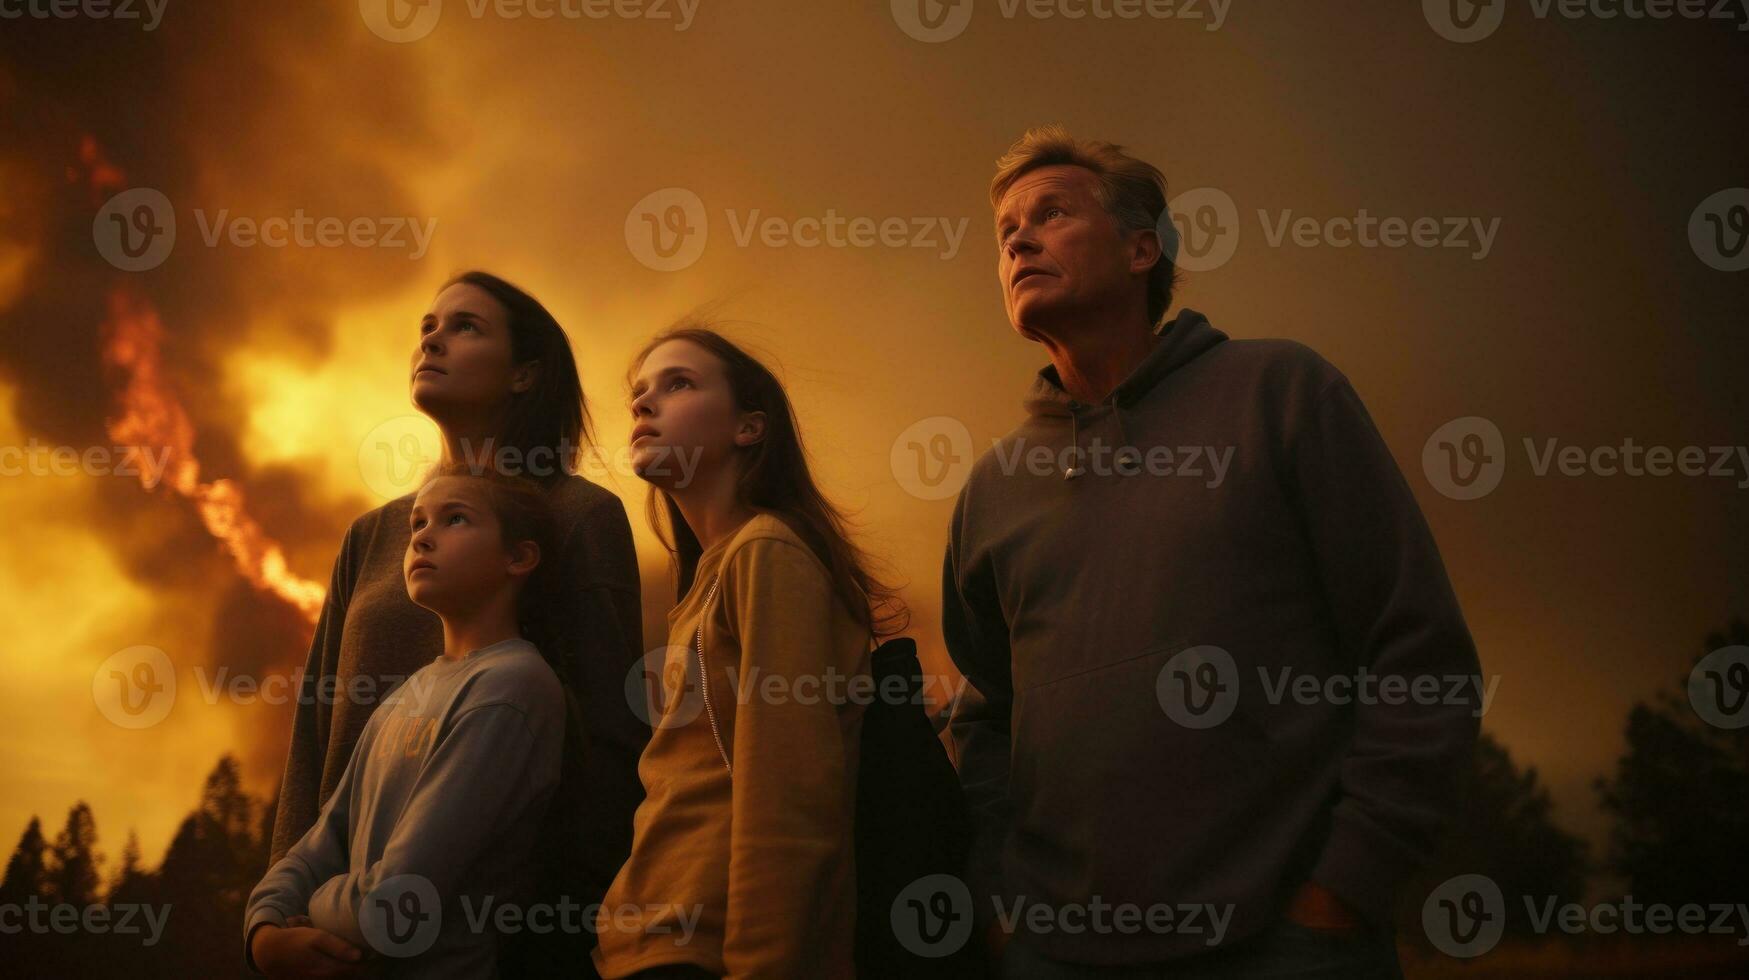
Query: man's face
{"type": "Point", "coordinates": [1061, 254]}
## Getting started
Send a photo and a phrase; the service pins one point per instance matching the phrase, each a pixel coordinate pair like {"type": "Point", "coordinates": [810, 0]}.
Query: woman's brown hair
{"type": "Point", "coordinates": [775, 477]}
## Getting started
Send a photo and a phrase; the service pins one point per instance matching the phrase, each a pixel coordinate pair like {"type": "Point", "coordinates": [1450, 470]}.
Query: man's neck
{"type": "Point", "coordinates": [1093, 359]}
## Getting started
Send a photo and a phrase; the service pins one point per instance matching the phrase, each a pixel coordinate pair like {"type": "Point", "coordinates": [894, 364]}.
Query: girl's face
{"type": "Point", "coordinates": [684, 415]}
{"type": "Point", "coordinates": [462, 367]}
{"type": "Point", "coordinates": [456, 557]}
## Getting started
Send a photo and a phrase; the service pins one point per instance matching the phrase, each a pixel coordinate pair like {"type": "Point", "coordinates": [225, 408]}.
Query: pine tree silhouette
{"type": "Point", "coordinates": [1680, 798]}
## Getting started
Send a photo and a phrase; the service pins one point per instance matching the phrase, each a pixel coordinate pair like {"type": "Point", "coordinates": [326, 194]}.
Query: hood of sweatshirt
{"type": "Point", "coordinates": [1182, 340]}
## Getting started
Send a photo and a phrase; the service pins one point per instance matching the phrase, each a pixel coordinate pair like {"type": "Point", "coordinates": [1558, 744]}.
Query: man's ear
{"type": "Point", "coordinates": [524, 377]}
{"type": "Point", "coordinates": [752, 429]}
{"type": "Point", "coordinates": [1144, 250]}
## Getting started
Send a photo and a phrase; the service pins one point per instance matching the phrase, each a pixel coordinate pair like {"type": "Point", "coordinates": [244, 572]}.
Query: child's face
{"type": "Point", "coordinates": [456, 558]}
{"type": "Point", "coordinates": [683, 408]}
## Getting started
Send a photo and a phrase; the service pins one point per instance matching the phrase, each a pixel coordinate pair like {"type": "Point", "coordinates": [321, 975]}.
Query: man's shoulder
{"type": "Point", "coordinates": [1275, 358]}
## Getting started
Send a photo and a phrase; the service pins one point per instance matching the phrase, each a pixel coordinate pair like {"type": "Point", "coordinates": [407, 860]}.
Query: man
{"type": "Point", "coordinates": [1182, 590]}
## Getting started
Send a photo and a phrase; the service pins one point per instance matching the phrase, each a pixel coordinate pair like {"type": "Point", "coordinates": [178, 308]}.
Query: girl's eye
{"type": "Point", "coordinates": [418, 523]}
{"type": "Point", "coordinates": [465, 326]}
{"type": "Point", "coordinates": [678, 381]}
{"type": "Point", "coordinates": [456, 517]}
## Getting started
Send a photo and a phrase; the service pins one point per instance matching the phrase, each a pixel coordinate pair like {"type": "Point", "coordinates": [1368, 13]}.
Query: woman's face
{"type": "Point", "coordinates": [462, 368]}
{"type": "Point", "coordinates": [684, 415]}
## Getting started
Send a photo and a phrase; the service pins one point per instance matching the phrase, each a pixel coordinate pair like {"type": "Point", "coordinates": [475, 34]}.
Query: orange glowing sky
{"type": "Point", "coordinates": [529, 142]}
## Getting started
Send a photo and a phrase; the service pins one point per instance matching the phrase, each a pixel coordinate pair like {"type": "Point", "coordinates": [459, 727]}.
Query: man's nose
{"type": "Point", "coordinates": [1020, 242]}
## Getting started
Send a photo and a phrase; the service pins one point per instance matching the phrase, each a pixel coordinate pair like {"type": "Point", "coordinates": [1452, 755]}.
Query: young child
{"type": "Point", "coordinates": [438, 809]}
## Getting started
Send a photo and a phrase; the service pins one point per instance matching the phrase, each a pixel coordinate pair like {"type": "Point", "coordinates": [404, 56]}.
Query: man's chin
{"type": "Point", "coordinates": [1036, 321]}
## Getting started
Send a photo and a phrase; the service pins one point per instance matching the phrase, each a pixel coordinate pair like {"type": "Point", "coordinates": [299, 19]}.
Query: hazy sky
{"type": "Point", "coordinates": [1564, 158]}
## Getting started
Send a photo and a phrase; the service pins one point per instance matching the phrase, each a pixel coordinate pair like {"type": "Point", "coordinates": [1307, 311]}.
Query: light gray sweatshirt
{"type": "Point", "coordinates": [434, 821]}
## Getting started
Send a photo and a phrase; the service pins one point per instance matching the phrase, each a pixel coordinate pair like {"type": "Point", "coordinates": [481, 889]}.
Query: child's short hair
{"type": "Point", "coordinates": [524, 513]}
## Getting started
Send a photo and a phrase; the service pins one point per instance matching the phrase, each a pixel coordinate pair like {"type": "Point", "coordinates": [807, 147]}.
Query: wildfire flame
{"type": "Point", "coordinates": [151, 417]}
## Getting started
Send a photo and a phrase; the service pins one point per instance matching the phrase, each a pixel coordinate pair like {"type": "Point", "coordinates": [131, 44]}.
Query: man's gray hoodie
{"type": "Point", "coordinates": [1213, 653]}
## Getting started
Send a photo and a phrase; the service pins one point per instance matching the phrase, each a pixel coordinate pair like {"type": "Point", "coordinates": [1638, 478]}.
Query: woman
{"type": "Point", "coordinates": [494, 371]}
{"type": "Point", "coordinates": [742, 857]}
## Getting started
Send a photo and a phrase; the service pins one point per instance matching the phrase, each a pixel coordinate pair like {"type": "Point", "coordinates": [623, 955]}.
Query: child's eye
{"type": "Point", "coordinates": [456, 517]}
{"type": "Point", "coordinates": [418, 522]}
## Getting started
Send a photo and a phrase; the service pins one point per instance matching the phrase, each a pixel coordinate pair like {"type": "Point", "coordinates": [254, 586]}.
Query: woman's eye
{"type": "Point", "coordinates": [1052, 211]}
{"type": "Point", "coordinates": [677, 382]}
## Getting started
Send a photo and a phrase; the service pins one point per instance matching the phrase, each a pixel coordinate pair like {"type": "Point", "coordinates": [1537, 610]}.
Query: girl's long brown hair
{"type": "Point", "coordinates": [775, 477]}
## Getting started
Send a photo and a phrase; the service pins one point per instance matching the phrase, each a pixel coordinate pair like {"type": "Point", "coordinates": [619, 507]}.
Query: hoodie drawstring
{"type": "Point", "coordinates": [1126, 453]}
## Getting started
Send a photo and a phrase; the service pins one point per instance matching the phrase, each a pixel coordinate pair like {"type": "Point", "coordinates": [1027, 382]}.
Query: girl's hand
{"type": "Point", "coordinates": [304, 951]}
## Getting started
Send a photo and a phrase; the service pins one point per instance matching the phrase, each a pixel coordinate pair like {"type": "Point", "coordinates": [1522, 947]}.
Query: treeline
{"type": "Point", "coordinates": [182, 920]}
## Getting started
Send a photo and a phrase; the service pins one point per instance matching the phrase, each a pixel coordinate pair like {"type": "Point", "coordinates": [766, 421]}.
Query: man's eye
{"type": "Point", "coordinates": [1051, 211]}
